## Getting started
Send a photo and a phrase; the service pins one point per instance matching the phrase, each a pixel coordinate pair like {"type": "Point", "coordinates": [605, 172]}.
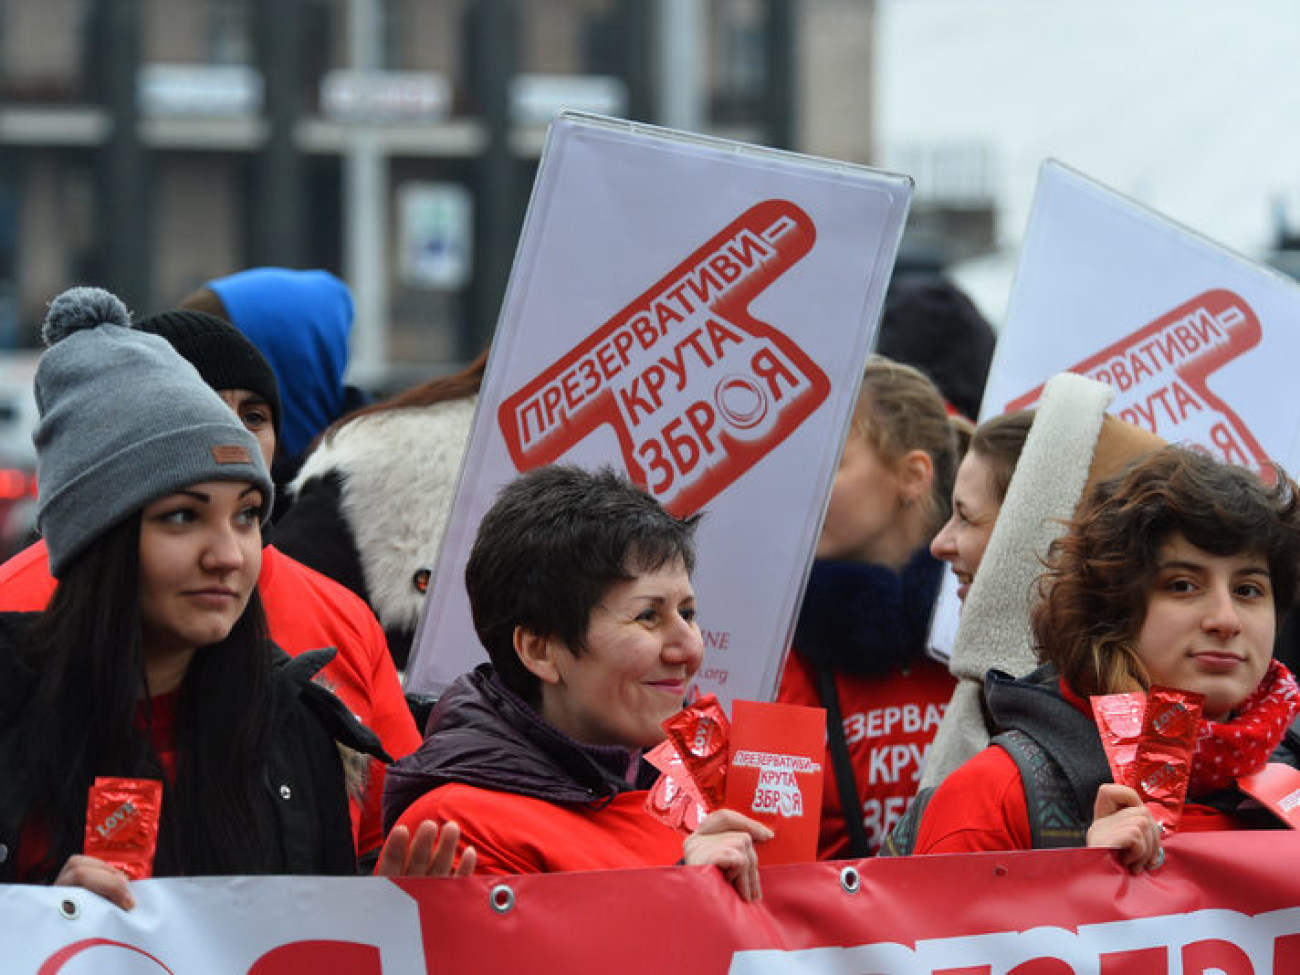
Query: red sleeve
{"type": "Point", "coordinates": [479, 813]}
{"type": "Point", "coordinates": [798, 686]}
{"type": "Point", "coordinates": [25, 581]}
{"type": "Point", "coordinates": [390, 718]}
{"type": "Point", "coordinates": [519, 834]}
{"type": "Point", "coordinates": [980, 806]}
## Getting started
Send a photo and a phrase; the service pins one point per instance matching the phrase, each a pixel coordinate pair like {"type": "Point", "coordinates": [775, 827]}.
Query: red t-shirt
{"type": "Point", "coordinates": [305, 611]}
{"type": "Point", "coordinates": [518, 834]}
{"type": "Point", "coordinates": [889, 723]}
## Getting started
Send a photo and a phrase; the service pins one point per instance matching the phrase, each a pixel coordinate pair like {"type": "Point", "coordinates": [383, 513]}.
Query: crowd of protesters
{"type": "Point", "coordinates": [155, 633]}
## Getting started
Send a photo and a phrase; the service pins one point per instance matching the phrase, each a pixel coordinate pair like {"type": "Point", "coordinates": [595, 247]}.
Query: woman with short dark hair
{"type": "Point", "coordinates": [579, 585]}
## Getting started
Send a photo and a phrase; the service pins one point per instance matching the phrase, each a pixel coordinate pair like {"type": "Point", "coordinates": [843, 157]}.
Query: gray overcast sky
{"type": "Point", "coordinates": [1190, 106]}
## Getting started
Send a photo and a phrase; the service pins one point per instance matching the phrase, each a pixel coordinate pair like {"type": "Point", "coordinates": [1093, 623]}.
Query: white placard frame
{"type": "Point", "coordinates": [1101, 271]}
{"type": "Point", "coordinates": [616, 207]}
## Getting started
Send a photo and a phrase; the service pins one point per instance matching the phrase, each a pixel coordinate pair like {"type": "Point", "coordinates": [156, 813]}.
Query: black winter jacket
{"type": "Point", "coordinates": [305, 779]}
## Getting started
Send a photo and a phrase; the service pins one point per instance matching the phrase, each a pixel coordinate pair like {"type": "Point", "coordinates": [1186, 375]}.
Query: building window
{"type": "Point", "coordinates": [229, 38]}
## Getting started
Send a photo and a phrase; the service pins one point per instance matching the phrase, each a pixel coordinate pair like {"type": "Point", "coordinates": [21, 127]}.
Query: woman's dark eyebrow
{"type": "Point", "coordinates": [1190, 566]}
{"type": "Point", "coordinates": [205, 498]}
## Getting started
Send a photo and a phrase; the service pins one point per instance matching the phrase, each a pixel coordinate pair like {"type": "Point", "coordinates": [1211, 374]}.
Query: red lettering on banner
{"type": "Point", "coordinates": [56, 961]}
{"type": "Point", "coordinates": [1042, 966]}
{"type": "Point", "coordinates": [1286, 953]}
{"type": "Point", "coordinates": [1140, 961]}
{"type": "Point", "coordinates": [1222, 904]}
{"type": "Point", "coordinates": [696, 389]}
{"type": "Point", "coordinates": [320, 958]}
{"type": "Point", "coordinates": [1215, 957]}
{"type": "Point", "coordinates": [1161, 373]}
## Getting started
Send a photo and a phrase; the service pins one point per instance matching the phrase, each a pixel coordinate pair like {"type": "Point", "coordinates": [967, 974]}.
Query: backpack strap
{"type": "Point", "coordinates": [841, 762]}
{"type": "Point", "coordinates": [1055, 820]}
{"type": "Point", "coordinates": [901, 841]}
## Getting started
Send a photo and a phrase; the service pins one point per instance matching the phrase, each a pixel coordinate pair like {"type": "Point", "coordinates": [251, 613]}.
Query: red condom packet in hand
{"type": "Point", "coordinates": [700, 733]}
{"type": "Point", "coordinates": [674, 798]}
{"type": "Point", "coordinates": [1162, 768]}
{"type": "Point", "coordinates": [122, 823]}
{"type": "Point", "coordinates": [775, 775]}
{"type": "Point", "coordinates": [1119, 722]}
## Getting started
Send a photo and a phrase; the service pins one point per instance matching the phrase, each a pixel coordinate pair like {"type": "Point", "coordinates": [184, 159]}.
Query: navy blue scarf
{"type": "Point", "coordinates": [865, 619]}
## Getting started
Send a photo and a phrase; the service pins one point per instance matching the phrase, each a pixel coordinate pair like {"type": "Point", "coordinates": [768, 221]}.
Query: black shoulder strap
{"type": "Point", "coordinates": [1055, 820]}
{"type": "Point", "coordinates": [845, 782]}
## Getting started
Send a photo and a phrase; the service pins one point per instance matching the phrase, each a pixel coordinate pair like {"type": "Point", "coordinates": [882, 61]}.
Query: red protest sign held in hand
{"type": "Point", "coordinates": [775, 775]}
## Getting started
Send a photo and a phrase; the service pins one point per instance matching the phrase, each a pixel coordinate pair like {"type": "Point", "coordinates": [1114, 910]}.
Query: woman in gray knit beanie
{"type": "Point", "coordinates": [152, 660]}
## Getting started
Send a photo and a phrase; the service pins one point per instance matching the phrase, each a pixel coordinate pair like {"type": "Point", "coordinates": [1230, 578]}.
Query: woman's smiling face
{"type": "Point", "coordinates": [642, 648]}
{"type": "Point", "coordinates": [964, 537]}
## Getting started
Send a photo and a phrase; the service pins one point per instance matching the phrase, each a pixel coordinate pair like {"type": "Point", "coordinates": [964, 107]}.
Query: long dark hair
{"type": "Point", "coordinates": [90, 700]}
{"type": "Point", "coordinates": [439, 389]}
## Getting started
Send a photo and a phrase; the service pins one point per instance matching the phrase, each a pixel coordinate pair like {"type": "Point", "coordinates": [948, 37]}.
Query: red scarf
{"type": "Point", "coordinates": [1228, 749]}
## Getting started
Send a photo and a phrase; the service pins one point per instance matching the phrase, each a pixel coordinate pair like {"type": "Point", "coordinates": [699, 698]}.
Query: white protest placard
{"type": "Point", "coordinates": [698, 313]}
{"type": "Point", "coordinates": [1198, 342]}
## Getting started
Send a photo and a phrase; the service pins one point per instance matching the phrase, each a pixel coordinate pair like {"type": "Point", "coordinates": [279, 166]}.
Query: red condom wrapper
{"type": "Point", "coordinates": [1162, 768]}
{"type": "Point", "coordinates": [673, 799]}
{"type": "Point", "coordinates": [701, 734]}
{"type": "Point", "coordinates": [1119, 722]}
{"type": "Point", "coordinates": [122, 823]}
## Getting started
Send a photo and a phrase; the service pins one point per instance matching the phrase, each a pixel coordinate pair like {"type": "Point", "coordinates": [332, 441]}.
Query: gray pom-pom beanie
{"type": "Point", "coordinates": [124, 420]}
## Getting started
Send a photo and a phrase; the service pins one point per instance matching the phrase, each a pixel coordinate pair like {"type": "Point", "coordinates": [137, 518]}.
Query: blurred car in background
{"type": "Point", "coordinates": [18, 416]}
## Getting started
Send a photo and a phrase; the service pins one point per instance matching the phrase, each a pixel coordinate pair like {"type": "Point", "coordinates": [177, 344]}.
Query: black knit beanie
{"type": "Point", "coordinates": [932, 324]}
{"type": "Point", "coordinates": [219, 351]}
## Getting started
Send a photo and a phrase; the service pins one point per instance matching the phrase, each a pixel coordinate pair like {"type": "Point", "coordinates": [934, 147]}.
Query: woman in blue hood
{"type": "Point", "coordinates": [300, 321]}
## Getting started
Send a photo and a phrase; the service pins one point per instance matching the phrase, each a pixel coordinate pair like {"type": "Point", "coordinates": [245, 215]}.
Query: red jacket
{"type": "Point", "coordinates": [527, 797]}
{"type": "Point", "coordinates": [520, 834]}
{"type": "Point", "coordinates": [889, 723]}
{"type": "Point", "coordinates": [305, 610]}
{"type": "Point", "coordinates": [981, 806]}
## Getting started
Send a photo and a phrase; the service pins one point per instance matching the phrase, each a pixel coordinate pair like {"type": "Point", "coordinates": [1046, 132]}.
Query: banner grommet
{"type": "Point", "coordinates": [502, 898]}
{"type": "Point", "coordinates": [850, 880]}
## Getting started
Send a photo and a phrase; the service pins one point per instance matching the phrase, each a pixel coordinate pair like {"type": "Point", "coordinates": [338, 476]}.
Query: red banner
{"type": "Point", "coordinates": [1223, 904]}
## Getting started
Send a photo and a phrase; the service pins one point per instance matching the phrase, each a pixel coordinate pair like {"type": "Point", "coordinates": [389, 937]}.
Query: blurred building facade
{"type": "Point", "coordinates": [150, 145]}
